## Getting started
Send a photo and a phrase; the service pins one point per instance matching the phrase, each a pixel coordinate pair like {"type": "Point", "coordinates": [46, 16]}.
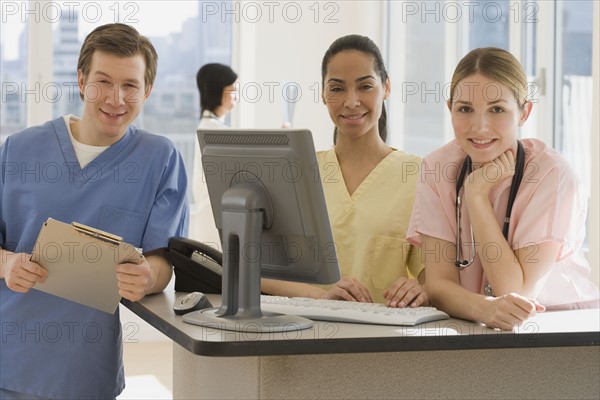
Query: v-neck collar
{"type": "Point", "coordinates": [349, 200]}
{"type": "Point", "coordinates": [80, 176]}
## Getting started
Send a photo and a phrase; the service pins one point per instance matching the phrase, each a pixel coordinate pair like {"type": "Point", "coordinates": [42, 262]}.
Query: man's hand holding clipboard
{"type": "Point", "coordinates": [89, 266]}
{"type": "Point", "coordinates": [135, 279]}
{"type": "Point", "coordinates": [20, 273]}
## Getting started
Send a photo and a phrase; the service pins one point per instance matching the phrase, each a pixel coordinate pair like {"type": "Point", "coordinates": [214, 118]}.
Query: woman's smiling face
{"type": "Point", "coordinates": [486, 117]}
{"type": "Point", "coordinates": [354, 93]}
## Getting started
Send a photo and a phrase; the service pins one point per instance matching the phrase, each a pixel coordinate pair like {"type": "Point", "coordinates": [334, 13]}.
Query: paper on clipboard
{"type": "Point", "coordinates": [81, 263]}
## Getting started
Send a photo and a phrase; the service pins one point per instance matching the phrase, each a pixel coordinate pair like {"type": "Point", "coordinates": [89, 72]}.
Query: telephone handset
{"type": "Point", "coordinates": [197, 266]}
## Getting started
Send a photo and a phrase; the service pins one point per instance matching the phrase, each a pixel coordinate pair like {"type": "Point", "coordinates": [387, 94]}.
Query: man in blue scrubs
{"type": "Point", "coordinates": [101, 171]}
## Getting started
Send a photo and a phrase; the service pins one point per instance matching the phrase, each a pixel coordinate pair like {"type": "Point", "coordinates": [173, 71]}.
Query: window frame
{"type": "Point", "coordinates": [39, 67]}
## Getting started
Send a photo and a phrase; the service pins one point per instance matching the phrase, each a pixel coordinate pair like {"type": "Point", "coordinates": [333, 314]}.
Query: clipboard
{"type": "Point", "coordinates": [81, 263]}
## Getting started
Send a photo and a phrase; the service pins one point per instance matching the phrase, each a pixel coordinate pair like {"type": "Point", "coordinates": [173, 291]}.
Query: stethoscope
{"type": "Point", "coordinates": [466, 169]}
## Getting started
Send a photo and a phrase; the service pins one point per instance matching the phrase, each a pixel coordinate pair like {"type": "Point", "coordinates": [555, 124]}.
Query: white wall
{"type": "Point", "coordinates": [276, 50]}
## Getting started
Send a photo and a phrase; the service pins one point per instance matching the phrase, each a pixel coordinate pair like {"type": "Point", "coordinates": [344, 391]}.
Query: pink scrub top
{"type": "Point", "coordinates": [550, 206]}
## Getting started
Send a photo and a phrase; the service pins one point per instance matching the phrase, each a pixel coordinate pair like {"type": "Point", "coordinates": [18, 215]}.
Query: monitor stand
{"type": "Point", "coordinates": [246, 210]}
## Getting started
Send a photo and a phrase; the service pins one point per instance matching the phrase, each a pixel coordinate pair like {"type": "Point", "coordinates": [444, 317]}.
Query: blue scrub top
{"type": "Point", "coordinates": [135, 189]}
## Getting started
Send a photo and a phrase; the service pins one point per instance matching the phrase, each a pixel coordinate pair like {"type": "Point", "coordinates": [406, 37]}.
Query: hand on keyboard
{"type": "Point", "coordinates": [406, 292]}
{"type": "Point", "coordinates": [350, 311]}
{"type": "Point", "coordinates": [350, 289]}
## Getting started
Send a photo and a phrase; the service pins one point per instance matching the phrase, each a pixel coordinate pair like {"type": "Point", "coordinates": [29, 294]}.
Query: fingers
{"type": "Point", "coordinates": [356, 289]}
{"type": "Point", "coordinates": [501, 167]}
{"type": "Point", "coordinates": [133, 280]}
{"type": "Point", "coordinates": [36, 269]}
{"type": "Point", "coordinates": [338, 293]}
{"type": "Point", "coordinates": [131, 292]}
{"type": "Point", "coordinates": [406, 292]}
{"type": "Point", "coordinates": [483, 179]}
{"type": "Point", "coordinates": [21, 274]}
{"type": "Point", "coordinates": [539, 307]}
{"type": "Point", "coordinates": [365, 294]}
{"type": "Point", "coordinates": [20, 284]}
{"type": "Point", "coordinates": [350, 289]}
{"type": "Point", "coordinates": [510, 158]}
{"type": "Point", "coordinates": [506, 162]}
{"type": "Point", "coordinates": [511, 311]}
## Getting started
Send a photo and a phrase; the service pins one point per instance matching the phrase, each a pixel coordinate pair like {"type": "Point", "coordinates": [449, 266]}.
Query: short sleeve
{"type": "Point", "coordinates": [553, 209]}
{"type": "Point", "coordinates": [170, 212]}
{"type": "Point", "coordinates": [433, 206]}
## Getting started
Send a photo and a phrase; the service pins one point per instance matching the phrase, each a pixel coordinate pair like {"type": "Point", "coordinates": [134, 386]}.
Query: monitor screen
{"type": "Point", "coordinates": [268, 204]}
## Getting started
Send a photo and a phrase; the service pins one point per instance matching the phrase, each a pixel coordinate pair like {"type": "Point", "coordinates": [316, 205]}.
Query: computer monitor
{"type": "Point", "coordinates": [268, 204]}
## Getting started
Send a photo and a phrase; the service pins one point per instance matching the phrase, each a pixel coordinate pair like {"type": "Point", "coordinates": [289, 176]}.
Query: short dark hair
{"type": "Point", "coordinates": [212, 79]}
{"type": "Point", "coordinates": [364, 45]}
{"type": "Point", "coordinates": [119, 40]}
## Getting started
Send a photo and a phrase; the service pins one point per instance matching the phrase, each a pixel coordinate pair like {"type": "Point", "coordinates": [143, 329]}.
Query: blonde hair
{"type": "Point", "coordinates": [496, 64]}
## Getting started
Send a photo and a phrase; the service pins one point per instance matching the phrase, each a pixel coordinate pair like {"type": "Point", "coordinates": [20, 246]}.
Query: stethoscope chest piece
{"type": "Point", "coordinates": [463, 264]}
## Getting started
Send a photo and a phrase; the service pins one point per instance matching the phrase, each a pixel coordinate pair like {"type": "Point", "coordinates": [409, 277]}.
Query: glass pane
{"type": "Point", "coordinates": [67, 42]}
{"type": "Point", "coordinates": [489, 26]}
{"type": "Point", "coordinates": [417, 76]}
{"type": "Point", "coordinates": [574, 86]}
{"type": "Point", "coordinates": [13, 56]}
{"type": "Point", "coordinates": [424, 113]}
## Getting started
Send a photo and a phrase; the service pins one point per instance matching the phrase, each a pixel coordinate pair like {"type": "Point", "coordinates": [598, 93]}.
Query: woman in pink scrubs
{"type": "Point", "coordinates": [492, 256]}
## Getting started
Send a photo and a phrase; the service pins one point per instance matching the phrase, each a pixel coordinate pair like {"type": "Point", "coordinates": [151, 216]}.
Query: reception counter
{"type": "Point", "coordinates": [554, 355]}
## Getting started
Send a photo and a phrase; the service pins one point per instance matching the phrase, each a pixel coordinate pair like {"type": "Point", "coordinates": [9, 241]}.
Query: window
{"type": "Point", "coordinates": [433, 36]}
{"type": "Point", "coordinates": [488, 25]}
{"type": "Point", "coordinates": [13, 55]}
{"type": "Point", "coordinates": [184, 37]}
{"type": "Point", "coordinates": [574, 85]}
{"type": "Point", "coordinates": [417, 76]}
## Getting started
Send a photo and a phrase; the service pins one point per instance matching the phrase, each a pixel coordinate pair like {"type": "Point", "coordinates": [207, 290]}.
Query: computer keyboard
{"type": "Point", "coordinates": [349, 311]}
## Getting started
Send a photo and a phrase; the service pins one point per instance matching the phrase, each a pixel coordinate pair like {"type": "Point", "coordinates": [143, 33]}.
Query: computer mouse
{"type": "Point", "coordinates": [191, 302]}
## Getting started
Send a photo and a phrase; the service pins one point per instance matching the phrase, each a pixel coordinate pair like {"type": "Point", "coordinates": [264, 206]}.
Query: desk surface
{"type": "Point", "coordinates": [549, 329]}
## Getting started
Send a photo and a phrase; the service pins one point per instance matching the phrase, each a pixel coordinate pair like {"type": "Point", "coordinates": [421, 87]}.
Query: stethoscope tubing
{"type": "Point", "coordinates": [466, 169]}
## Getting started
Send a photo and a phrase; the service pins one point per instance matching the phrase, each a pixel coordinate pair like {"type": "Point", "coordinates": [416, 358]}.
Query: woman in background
{"type": "Point", "coordinates": [502, 233]}
{"type": "Point", "coordinates": [216, 84]}
{"type": "Point", "coordinates": [369, 187]}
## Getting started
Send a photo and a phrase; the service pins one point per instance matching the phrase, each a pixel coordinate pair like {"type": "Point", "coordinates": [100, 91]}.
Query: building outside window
{"type": "Point", "coordinates": [184, 39]}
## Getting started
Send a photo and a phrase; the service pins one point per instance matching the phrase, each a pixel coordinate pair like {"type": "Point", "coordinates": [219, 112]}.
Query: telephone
{"type": "Point", "coordinates": [197, 266]}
